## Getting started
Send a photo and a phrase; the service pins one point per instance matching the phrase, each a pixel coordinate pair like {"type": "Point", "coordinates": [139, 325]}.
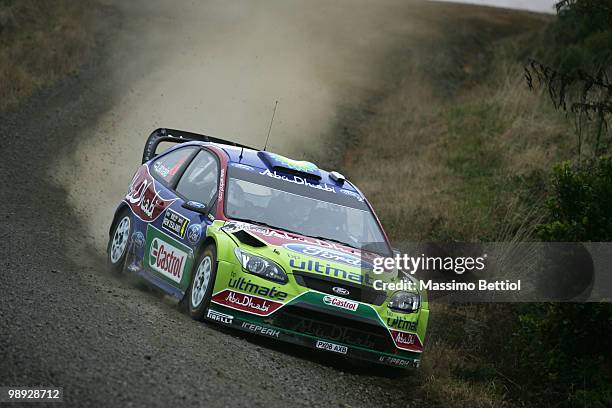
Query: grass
{"type": "Point", "coordinates": [457, 164]}
{"type": "Point", "coordinates": [460, 150]}
{"type": "Point", "coordinates": [40, 43]}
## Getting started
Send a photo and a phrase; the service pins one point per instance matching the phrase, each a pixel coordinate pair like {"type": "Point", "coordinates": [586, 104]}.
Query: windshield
{"type": "Point", "coordinates": [296, 205]}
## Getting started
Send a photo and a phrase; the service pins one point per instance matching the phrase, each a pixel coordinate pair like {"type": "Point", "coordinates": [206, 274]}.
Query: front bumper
{"type": "Point", "coordinates": [326, 341]}
{"type": "Point", "coordinates": [305, 316]}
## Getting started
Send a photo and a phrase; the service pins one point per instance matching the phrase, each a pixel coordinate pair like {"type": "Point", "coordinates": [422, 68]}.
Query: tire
{"type": "Point", "coordinates": [118, 241]}
{"type": "Point", "coordinates": [202, 283]}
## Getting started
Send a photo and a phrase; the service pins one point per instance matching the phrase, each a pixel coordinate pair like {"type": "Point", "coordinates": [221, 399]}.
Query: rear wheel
{"type": "Point", "coordinates": [202, 282]}
{"type": "Point", "coordinates": [118, 242]}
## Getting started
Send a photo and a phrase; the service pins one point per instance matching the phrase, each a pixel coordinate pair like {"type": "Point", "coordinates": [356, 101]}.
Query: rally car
{"type": "Point", "coordinates": [265, 244]}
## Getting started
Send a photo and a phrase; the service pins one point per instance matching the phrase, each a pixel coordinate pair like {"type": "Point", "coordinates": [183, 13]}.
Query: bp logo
{"type": "Point", "coordinates": [167, 259]}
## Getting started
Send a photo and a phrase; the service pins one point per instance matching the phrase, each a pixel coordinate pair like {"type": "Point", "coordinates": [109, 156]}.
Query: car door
{"type": "Point", "coordinates": [166, 257]}
{"type": "Point", "coordinates": [174, 237]}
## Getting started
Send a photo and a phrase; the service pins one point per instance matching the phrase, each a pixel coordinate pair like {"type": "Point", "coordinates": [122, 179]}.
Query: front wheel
{"type": "Point", "coordinates": [118, 242]}
{"type": "Point", "coordinates": [202, 282]}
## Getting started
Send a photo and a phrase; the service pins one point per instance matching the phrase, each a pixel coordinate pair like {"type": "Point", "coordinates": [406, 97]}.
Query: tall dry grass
{"type": "Point", "coordinates": [468, 164]}
{"type": "Point", "coordinates": [453, 168]}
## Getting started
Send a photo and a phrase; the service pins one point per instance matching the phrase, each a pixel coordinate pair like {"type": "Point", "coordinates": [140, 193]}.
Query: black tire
{"type": "Point", "coordinates": [198, 299]}
{"type": "Point", "coordinates": [117, 251]}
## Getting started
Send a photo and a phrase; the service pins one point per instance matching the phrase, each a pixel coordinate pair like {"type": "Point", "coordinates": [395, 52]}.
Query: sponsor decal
{"type": "Point", "coordinates": [234, 226]}
{"type": "Point", "coordinates": [211, 217]}
{"type": "Point", "coordinates": [400, 362]}
{"type": "Point", "coordinates": [194, 233]}
{"type": "Point", "coordinates": [143, 198]}
{"type": "Point", "coordinates": [341, 303]}
{"type": "Point", "coordinates": [298, 180]}
{"type": "Point", "coordinates": [402, 324]}
{"type": "Point", "coordinates": [266, 331]}
{"type": "Point", "coordinates": [327, 254]}
{"type": "Point", "coordinates": [341, 291]}
{"type": "Point", "coordinates": [167, 256]}
{"type": "Point", "coordinates": [221, 187]}
{"type": "Point", "coordinates": [329, 270]}
{"type": "Point", "coordinates": [166, 259]}
{"type": "Point", "coordinates": [246, 303]}
{"type": "Point", "coordinates": [352, 194]}
{"type": "Point", "coordinates": [255, 289]}
{"type": "Point", "coordinates": [161, 169]}
{"type": "Point", "coordinates": [175, 223]}
{"type": "Point", "coordinates": [406, 341]}
{"type": "Point", "coordinates": [219, 317]}
{"type": "Point", "coordinates": [336, 348]}
{"type": "Point", "coordinates": [138, 239]}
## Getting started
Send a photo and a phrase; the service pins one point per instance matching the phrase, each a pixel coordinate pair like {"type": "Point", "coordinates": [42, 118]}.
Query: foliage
{"type": "Point", "coordinates": [575, 71]}
{"type": "Point", "coordinates": [566, 344]}
{"type": "Point", "coordinates": [564, 353]}
{"type": "Point", "coordinates": [584, 29]}
{"type": "Point", "coordinates": [580, 203]}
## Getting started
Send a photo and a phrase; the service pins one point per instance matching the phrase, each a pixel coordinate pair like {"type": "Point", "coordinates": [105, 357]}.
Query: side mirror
{"type": "Point", "coordinates": [195, 206]}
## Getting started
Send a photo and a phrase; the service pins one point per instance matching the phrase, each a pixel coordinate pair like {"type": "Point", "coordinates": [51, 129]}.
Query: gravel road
{"type": "Point", "coordinates": [69, 153]}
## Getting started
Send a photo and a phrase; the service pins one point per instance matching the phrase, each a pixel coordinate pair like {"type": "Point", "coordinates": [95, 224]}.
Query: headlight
{"type": "Point", "coordinates": [260, 266]}
{"type": "Point", "coordinates": [405, 302]}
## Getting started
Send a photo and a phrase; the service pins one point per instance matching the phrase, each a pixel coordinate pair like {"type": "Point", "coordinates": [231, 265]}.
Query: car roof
{"type": "Point", "coordinates": [261, 160]}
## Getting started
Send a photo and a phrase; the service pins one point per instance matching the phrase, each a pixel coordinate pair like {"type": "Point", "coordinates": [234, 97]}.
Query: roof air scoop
{"type": "Point", "coordinates": [296, 167]}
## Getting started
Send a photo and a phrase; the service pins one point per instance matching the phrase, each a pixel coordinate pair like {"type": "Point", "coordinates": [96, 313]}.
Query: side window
{"type": "Point", "coordinates": [199, 182]}
{"type": "Point", "coordinates": [167, 166]}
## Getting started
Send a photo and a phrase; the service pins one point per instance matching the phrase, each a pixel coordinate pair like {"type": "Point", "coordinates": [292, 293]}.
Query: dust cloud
{"type": "Point", "coordinates": [217, 67]}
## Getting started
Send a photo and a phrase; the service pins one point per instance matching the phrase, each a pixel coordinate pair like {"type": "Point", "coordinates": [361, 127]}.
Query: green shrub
{"type": "Point", "coordinates": [565, 353]}
{"type": "Point", "coordinates": [583, 32]}
{"type": "Point", "coordinates": [580, 203]}
{"type": "Point", "coordinates": [566, 345]}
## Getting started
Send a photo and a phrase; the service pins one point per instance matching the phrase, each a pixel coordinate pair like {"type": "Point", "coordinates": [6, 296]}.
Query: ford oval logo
{"type": "Point", "coordinates": [340, 291]}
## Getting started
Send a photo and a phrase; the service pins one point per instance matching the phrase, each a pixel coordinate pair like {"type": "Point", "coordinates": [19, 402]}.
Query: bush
{"type": "Point", "coordinates": [580, 204]}
{"type": "Point", "coordinates": [565, 346]}
{"type": "Point", "coordinates": [565, 353]}
{"type": "Point", "coordinates": [584, 30]}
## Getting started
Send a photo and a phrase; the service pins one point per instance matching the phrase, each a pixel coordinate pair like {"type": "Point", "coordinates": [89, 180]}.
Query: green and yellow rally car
{"type": "Point", "coordinates": [265, 244]}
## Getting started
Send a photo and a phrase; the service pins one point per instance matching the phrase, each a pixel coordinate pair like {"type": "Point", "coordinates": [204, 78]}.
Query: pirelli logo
{"type": "Point", "coordinates": [220, 317]}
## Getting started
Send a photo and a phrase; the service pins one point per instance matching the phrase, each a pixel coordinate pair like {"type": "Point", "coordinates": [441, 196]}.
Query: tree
{"type": "Point", "coordinates": [576, 72]}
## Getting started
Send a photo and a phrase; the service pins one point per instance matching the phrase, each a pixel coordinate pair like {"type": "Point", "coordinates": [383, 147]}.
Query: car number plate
{"type": "Point", "coordinates": [336, 348]}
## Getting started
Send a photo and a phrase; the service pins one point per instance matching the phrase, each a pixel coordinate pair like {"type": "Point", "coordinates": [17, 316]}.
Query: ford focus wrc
{"type": "Point", "coordinates": [265, 244]}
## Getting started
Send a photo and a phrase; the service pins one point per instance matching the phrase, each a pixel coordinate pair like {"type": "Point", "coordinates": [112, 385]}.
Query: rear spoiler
{"type": "Point", "coordinates": [179, 136]}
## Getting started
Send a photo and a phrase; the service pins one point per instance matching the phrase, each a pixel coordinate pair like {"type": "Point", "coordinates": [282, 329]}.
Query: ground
{"type": "Point", "coordinates": [70, 150]}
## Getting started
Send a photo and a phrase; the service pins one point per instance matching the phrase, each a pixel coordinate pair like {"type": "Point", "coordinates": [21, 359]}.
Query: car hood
{"type": "Point", "coordinates": [302, 254]}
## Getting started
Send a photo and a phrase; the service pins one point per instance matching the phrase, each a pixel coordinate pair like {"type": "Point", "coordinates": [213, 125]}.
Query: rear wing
{"type": "Point", "coordinates": [179, 136]}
